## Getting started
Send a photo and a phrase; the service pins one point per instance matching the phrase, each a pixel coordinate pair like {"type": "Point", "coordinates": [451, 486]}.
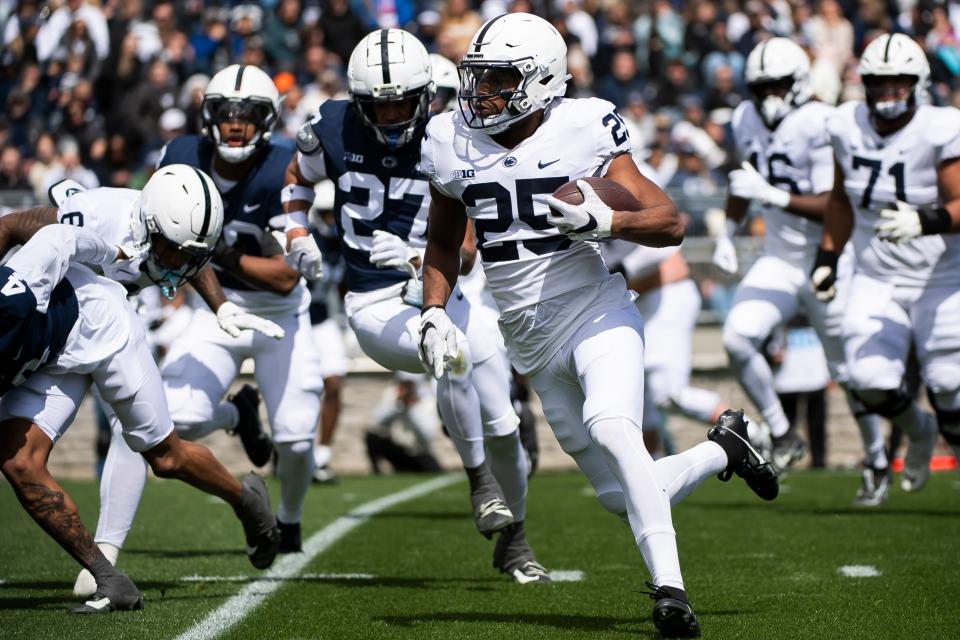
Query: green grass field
{"type": "Point", "coordinates": [420, 570]}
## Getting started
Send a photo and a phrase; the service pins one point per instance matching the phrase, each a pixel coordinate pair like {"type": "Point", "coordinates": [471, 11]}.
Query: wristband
{"type": "Point", "coordinates": [432, 306]}
{"type": "Point", "coordinates": [935, 221]}
{"type": "Point", "coordinates": [295, 191]}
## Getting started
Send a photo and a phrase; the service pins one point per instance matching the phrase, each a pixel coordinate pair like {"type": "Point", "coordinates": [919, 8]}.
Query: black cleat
{"type": "Point", "coordinates": [787, 449]}
{"type": "Point", "coordinates": [672, 614]}
{"type": "Point", "coordinates": [512, 555]}
{"type": "Point", "coordinates": [490, 513]}
{"type": "Point", "coordinates": [874, 486]}
{"type": "Point", "coordinates": [255, 440]}
{"type": "Point", "coordinates": [290, 537]}
{"type": "Point", "coordinates": [730, 433]}
{"type": "Point", "coordinates": [116, 593]}
{"type": "Point", "coordinates": [259, 525]}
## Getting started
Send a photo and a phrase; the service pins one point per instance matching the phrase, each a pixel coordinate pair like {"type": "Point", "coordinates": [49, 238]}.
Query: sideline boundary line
{"type": "Point", "coordinates": [252, 595]}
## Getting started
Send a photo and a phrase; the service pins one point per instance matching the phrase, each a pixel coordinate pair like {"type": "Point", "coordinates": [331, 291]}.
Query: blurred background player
{"type": "Point", "coordinates": [781, 135]}
{"type": "Point", "coordinates": [897, 196]}
{"type": "Point", "coordinates": [404, 425]}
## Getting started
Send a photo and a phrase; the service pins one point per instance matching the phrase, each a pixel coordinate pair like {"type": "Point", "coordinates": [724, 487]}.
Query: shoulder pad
{"type": "Point", "coordinates": [307, 141]}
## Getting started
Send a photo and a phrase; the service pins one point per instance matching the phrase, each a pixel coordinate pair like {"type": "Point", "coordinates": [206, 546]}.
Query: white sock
{"type": "Point", "coordinates": [121, 485]}
{"type": "Point", "coordinates": [460, 410]}
{"type": "Point", "coordinates": [295, 467]}
{"type": "Point", "coordinates": [696, 403]}
{"type": "Point", "coordinates": [681, 473]}
{"type": "Point", "coordinates": [755, 376]}
{"type": "Point", "coordinates": [871, 433]}
{"type": "Point", "coordinates": [509, 466]}
{"type": "Point", "coordinates": [648, 504]}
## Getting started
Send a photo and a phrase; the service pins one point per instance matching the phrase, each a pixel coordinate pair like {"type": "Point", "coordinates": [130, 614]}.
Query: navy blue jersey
{"type": "Point", "coordinates": [376, 189]}
{"type": "Point", "coordinates": [28, 338]}
{"type": "Point", "coordinates": [251, 203]}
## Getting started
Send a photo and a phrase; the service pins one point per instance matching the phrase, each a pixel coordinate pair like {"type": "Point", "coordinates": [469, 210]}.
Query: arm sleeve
{"type": "Point", "coordinates": [428, 166]}
{"type": "Point", "coordinates": [312, 167]}
{"type": "Point", "coordinates": [44, 260]}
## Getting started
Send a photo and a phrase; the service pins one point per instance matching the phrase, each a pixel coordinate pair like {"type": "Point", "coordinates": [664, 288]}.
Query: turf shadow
{"type": "Point", "coordinates": [568, 622]}
{"type": "Point", "coordinates": [185, 553]}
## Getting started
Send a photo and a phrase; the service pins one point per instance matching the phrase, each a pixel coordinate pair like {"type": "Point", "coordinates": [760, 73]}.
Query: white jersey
{"type": "Point", "coordinates": [525, 259]}
{"type": "Point", "coordinates": [544, 283]}
{"type": "Point", "coordinates": [795, 157]}
{"type": "Point", "coordinates": [113, 215]}
{"type": "Point", "coordinates": [878, 171]}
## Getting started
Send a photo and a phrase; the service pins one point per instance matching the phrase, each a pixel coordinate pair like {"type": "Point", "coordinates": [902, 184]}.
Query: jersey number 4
{"type": "Point", "coordinates": [897, 171]}
{"type": "Point", "coordinates": [506, 250]}
{"type": "Point", "coordinates": [13, 286]}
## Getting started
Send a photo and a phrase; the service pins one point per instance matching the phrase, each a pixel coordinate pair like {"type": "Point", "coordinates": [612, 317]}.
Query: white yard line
{"type": "Point", "coordinates": [859, 571]}
{"type": "Point", "coordinates": [304, 576]}
{"type": "Point", "coordinates": [253, 594]}
{"type": "Point", "coordinates": [573, 575]}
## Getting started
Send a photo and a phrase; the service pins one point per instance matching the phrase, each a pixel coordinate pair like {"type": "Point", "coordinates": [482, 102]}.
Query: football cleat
{"type": "Point", "coordinates": [512, 555]}
{"type": "Point", "coordinates": [916, 464]}
{"type": "Point", "coordinates": [672, 614]}
{"type": "Point", "coordinates": [787, 449]}
{"type": "Point", "coordinates": [874, 487]}
{"type": "Point", "coordinates": [290, 537]}
{"type": "Point", "coordinates": [490, 512]}
{"type": "Point", "coordinates": [255, 440]}
{"type": "Point", "coordinates": [116, 593]}
{"type": "Point", "coordinates": [730, 433]}
{"type": "Point", "coordinates": [259, 526]}
{"type": "Point", "coordinates": [325, 475]}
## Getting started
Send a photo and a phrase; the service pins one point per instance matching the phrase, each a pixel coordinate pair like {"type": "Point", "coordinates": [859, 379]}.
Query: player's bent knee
{"type": "Point", "coordinates": [298, 449]}
{"type": "Point", "coordinates": [947, 407]}
{"type": "Point", "coordinates": [884, 402]}
{"type": "Point", "coordinates": [614, 502]}
{"type": "Point", "coordinates": [739, 347]}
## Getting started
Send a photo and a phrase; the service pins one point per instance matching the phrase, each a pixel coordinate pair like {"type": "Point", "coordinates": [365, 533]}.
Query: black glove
{"type": "Point", "coordinates": [823, 278]}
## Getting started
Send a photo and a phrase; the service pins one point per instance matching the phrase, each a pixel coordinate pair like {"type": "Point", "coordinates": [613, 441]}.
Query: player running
{"type": "Point", "coordinates": [896, 192]}
{"type": "Point", "coordinates": [781, 134]}
{"type": "Point", "coordinates": [369, 146]}
{"type": "Point", "coordinates": [62, 328]}
{"type": "Point", "coordinates": [568, 323]}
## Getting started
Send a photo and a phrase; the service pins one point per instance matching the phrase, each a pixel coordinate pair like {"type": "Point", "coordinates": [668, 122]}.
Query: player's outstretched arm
{"type": "Point", "coordinates": [18, 227]}
{"type": "Point", "coordinates": [658, 223]}
{"type": "Point", "coordinates": [837, 227]}
{"type": "Point", "coordinates": [230, 317]}
{"type": "Point", "coordinates": [441, 263]}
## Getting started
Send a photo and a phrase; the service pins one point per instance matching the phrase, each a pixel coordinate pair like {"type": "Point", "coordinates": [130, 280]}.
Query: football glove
{"type": "Point", "coordinates": [725, 253]}
{"type": "Point", "coordinates": [390, 252]}
{"type": "Point", "coordinates": [747, 183]}
{"type": "Point", "coordinates": [438, 341]}
{"type": "Point", "coordinates": [907, 222]}
{"type": "Point", "coordinates": [823, 278]}
{"type": "Point", "coordinates": [235, 320]}
{"type": "Point", "coordinates": [589, 220]}
{"type": "Point", "coordinates": [304, 256]}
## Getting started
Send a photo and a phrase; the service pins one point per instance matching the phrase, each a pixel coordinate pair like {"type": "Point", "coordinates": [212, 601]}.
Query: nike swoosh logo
{"type": "Point", "coordinates": [544, 165]}
{"type": "Point", "coordinates": [98, 604]}
{"type": "Point", "coordinates": [251, 550]}
{"type": "Point", "coordinates": [590, 226]}
{"type": "Point", "coordinates": [247, 208]}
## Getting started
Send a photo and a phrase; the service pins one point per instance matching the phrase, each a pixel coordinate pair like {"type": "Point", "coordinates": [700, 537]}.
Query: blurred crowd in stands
{"type": "Point", "coordinates": [93, 89]}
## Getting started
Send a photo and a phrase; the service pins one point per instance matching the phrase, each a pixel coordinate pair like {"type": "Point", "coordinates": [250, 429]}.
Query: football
{"type": "Point", "coordinates": [615, 195]}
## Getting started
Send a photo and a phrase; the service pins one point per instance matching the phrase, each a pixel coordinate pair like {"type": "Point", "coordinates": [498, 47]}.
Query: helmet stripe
{"type": "Point", "coordinates": [236, 87]}
{"type": "Point", "coordinates": [206, 205]}
{"type": "Point", "coordinates": [886, 49]}
{"type": "Point", "coordinates": [763, 54]}
{"type": "Point", "coordinates": [483, 32]}
{"type": "Point", "coordinates": [384, 55]}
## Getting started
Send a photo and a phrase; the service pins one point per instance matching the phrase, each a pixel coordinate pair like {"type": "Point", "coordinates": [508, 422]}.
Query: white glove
{"type": "Point", "coordinates": [390, 252]}
{"type": "Point", "coordinates": [438, 341]}
{"type": "Point", "coordinates": [235, 320]}
{"type": "Point", "coordinates": [305, 257]}
{"type": "Point", "coordinates": [133, 252]}
{"type": "Point", "coordinates": [900, 224]}
{"type": "Point", "coordinates": [589, 220]}
{"type": "Point", "coordinates": [725, 253]}
{"type": "Point", "coordinates": [747, 183]}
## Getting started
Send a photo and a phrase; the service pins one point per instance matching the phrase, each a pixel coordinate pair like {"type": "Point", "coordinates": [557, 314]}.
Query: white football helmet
{"type": "Point", "coordinates": [240, 92]}
{"type": "Point", "coordinates": [446, 79]}
{"type": "Point", "coordinates": [391, 65]}
{"type": "Point", "coordinates": [894, 55]}
{"type": "Point", "coordinates": [182, 216]}
{"type": "Point", "coordinates": [778, 61]}
{"type": "Point", "coordinates": [521, 42]}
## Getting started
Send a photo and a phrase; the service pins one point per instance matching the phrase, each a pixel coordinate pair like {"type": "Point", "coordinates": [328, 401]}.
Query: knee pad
{"type": "Point", "coordinates": [740, 348]}
{"type": "Point", "coordinates": [884, 402]}
{"type": "Point", "coordinates": [948, 420]}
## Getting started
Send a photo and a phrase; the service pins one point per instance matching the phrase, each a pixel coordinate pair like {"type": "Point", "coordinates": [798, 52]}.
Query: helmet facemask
{"type": "Point", "coordinates": [777, 97]}
{"type": "Point", "coordinates": [521, 86]}
{"type": "Point", "coordinates": [169, 265]}
{"type": "Point", "coordinates": [261, 113]}
{"type": "Point", "coordinates": [395, 134]}
{"type": "Point", "coordinates": [886, 100]}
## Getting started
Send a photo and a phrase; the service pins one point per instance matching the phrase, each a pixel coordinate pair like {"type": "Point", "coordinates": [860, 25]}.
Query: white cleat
{"type": "Point", "coordinates": [916, 464]}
